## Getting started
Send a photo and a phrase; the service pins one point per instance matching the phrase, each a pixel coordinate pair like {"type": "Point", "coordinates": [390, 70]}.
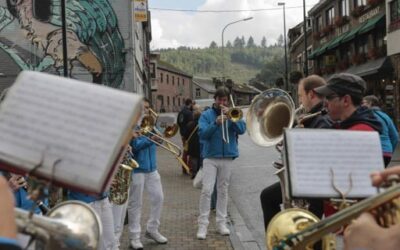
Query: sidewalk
{"type": "Point", "coordinates": [180, 211]}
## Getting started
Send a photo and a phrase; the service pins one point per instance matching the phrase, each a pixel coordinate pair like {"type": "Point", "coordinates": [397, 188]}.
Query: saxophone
{"type": "Point", "coordinates": [122, 179]}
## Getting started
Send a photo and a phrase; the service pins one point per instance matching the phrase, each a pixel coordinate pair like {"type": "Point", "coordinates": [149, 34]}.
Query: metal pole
{"type": "Point", "coordinates": [305, 39]}
{"type": "Point", "coordinates": [64, 38]}
{"type": "Point", "coordinates": [286, 59]}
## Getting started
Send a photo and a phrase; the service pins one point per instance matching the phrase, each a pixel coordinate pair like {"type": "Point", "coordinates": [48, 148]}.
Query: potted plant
{"type": "Point", "coordinates": [341, 20]}
{"type": "Point", "coordinates": [357, 11]}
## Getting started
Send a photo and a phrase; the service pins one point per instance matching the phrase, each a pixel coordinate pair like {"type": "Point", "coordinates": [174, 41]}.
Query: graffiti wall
{"type": "Point", "coordinates": [97, 34]}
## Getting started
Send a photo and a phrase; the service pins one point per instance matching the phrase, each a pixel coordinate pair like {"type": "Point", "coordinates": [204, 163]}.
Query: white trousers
{"type": "Point", "coordinates": [215, 170]}
{"type": "Point", "coordinates": [103, 209]}
{"type": "Point", "coordinates": [152, 183]}
{"type": "Point", "coordinates": [119, 213]}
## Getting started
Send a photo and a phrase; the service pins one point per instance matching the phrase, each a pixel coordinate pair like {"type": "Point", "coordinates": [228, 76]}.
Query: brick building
{"type": "Point", "coordinates": [170, 86]}
{"type": "Point", "coordinates": [349, 36]}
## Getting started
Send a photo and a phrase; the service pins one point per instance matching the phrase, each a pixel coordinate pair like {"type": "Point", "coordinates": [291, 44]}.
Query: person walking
{"type": "Point", "coordinates": [218, 160]}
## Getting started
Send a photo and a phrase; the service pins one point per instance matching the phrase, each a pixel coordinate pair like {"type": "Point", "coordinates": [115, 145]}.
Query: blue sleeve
{"type": "Point", "coordinates": [239, 127]}
{"type": "Point", "coordinates": [393, 134]}
{"type": "Point", "coordinates": [206, 127]}
{"type": "Point", "coordinates": [7, 243]}
{"type": "Point", "coordinates": [140, 143]}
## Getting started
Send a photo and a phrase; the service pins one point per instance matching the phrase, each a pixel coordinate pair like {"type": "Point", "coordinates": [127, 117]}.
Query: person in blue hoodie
{"type": "Point", "coordinates": [389, 136]}
{"type": "Point", "coordinates": [146, 177]}
{"type": "Point", "coordinates": [218, 160]}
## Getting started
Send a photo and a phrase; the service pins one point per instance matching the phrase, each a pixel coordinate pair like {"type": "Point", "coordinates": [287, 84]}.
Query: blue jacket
{"type": "Point", "coordinates": [144, 152]}
{"type": "Point", "coordinates": [73, 195]}
{"type": "Point", "coordinates": [211, 136]}
{"type": "Point", "coordinates": [389, 136]}
{"type": "Point", "coordinates": [22, 201]}
{"type": "Point", "coordinates": [9, 244]}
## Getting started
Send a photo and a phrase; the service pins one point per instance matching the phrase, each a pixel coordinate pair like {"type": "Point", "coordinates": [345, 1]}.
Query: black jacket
{"type": "Point", "coordinates": [362, 115]}
{"type": "Point", "coordinates": [184, 117]}
{"type": "Point", "coordinates": [194, 143]}
{"type": "Point", "coordinates": [320, 121]}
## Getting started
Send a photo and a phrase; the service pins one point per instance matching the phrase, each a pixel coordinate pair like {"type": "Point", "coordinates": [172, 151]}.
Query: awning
{"type": "Point", "coordinates": [336, 42]}
{"type": "Point", "coordinates": [380, 65]}
{"type": "Point", "coordinates": [372, 23]}
{"type": "Point", "coordinates": [330, 45]}
{"type": "Point", "coordinates": [351, 34]}
{"type": "Point", "coordinates": [314, 54]}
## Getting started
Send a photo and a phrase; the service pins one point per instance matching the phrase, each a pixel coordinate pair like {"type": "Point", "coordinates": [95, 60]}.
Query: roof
{"type": "Point", "coordinates": [171, 68]}
{"type": "Point", "coordinates": [205, 83]}
{"type": "Point", "coordinates": [381, 65]}
{"type": "Point", "coordinates": [243, 88]}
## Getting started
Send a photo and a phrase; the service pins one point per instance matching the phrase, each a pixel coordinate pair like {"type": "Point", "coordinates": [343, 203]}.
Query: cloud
{"type": "Point", "coordinates": [174, 29]}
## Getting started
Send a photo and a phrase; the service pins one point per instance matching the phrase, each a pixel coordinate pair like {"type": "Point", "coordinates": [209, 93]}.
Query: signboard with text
{"type": "Point", "coordinates": [140, 10]}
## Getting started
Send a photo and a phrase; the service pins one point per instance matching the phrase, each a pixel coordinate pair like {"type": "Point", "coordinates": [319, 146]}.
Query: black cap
{"type": "Point", "coordinates": [343, 84]}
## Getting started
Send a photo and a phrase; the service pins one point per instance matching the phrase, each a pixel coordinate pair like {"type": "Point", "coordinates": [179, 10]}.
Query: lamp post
{"type": "Point", "coordinates": [284, 41]}
{"type": "Point", "coordinates": [305, 39]}
{"type": "Point", "coordinates": [222, 47]}
{"type": "Point", "coordinates": [64, 37]}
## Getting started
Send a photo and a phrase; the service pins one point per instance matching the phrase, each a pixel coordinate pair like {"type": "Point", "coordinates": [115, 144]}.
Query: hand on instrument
{"type": "Point", "coordinates": [16, 182]}
{"type": "Point", "coordinates": [8, 228]}
{"type": "Point", "coordinates": [224, 109]}
{"type": "Point", "coordinates": [365, 233]}
{"type": "Point", "coordinates": [378, 178]}
{"type": "Point", "coordinates": [219, 119]}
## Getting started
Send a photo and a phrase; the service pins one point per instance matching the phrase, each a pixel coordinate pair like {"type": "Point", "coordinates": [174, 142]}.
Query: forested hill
{"type": "Point", "coordinates": [242, 63]}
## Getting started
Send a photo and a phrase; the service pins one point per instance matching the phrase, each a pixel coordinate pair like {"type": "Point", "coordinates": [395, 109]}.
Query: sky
{"type": "Point", "coordinates": [171, 29]}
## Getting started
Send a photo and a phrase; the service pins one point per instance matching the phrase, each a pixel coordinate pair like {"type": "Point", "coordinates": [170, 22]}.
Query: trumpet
{"type": "Point", "coordinates": [69, 225]}
{"type": "Point", "coordinates": [234, 114]}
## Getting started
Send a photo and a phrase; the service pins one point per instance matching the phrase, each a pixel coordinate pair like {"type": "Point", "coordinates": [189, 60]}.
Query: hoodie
{"type": "Point", "coordinates": [362, 119]}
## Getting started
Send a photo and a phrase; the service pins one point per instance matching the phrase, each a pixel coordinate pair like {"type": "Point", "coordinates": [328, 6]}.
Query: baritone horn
{"type": "Point", "coordinates": [69, 225]}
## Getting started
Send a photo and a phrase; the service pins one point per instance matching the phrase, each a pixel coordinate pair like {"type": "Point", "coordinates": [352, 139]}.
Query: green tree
{"type": "Point", "coordinates": [237, 43]}
{"type": "Point", "coordinates": [280, 41]}
{"type": "Point", "coordinates": [243, 42]}
{"type": "Point", "coordinates": [264, 42]}
{"type": "Point", "coordinates": [250, 43]}
{"type": "Point", "coordinates": [229, 44]}
{"type": "Point", "coordinates": [213, 45]}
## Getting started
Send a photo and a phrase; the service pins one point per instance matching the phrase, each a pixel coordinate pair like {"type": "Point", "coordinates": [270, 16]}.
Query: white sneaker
{"type": "Point", "coordinates": [222, 229]}
{"type": "Point", "coordinates": [157, 237]}
{"type": "Point", "coordinates": [136, 244]}
{"type": "Point", "coordinates": [202, 232]}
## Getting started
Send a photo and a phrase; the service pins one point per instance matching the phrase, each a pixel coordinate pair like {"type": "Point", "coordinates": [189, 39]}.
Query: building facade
{"type": "Point", "coordinates": [203, 88]}
{"type": "Point", "coordinates": [349, 36]}
{"type": "Point", "coordinates": [170, 86]}
{"type": "Point", "coordinates": [104, 43]}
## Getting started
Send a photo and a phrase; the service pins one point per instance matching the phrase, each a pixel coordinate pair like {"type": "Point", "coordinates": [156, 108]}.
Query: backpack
{"type": "Point", "coordinates": [180, 120]}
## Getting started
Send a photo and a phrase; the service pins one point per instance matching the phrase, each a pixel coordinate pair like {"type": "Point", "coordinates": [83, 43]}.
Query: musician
{"type": "Point", "coordinates": [271, 197]}
{"type": "Point", "coordinates": [8, 228]}
{"type": "Point", "coordinates": [365, 233]}
{"type": "Point", "coordinates": [218, 160]}
{"type": "Point", "coordinates": [343, 94]}
{"type": "Point", "coordinates": [146, 177]}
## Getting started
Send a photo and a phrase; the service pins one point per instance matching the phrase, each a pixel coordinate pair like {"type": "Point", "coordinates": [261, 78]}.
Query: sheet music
{"type": "Point", "coordinates": [82, 124]}
{"type": "Point", "coordinates": [313, 154]}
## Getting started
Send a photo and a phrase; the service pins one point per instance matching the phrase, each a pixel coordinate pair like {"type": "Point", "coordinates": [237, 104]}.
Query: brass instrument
{"type": "Point", "coordinates": [299, 229]}
{"type": "Point", "coordinates": [69, 225]}
{"type": "Point", "coordinates": [147, 127]}
{"type": "Point", "coordinates": [234, 114]}
{"type": "Point", "coordinates": [119, 189]}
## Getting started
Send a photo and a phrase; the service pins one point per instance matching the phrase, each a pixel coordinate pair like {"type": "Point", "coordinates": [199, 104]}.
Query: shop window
{"type": "Point", "coordinates": [379, 38]}
{"type": "Point", "coordinates": [362, 45]}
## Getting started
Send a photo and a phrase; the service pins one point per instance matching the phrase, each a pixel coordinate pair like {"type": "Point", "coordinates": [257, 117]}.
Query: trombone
{"type": "Point", "coordinates": [234, 114]}
{"type": "Point", "coordinates": [147, 127]}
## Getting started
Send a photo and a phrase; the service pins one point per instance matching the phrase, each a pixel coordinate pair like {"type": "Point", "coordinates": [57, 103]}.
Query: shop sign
{"type": "Point", "coordinates": [369, 14]}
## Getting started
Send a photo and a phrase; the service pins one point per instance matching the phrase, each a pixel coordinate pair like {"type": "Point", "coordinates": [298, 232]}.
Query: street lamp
{"type": "Point", "coordinates": [305, 39]}
{"type": "Point", "coordinates": [284, 41]}
{"type": "Point", "coordinates": [64, 37]}
{"type": "Point", "coordinates": [223, 30]}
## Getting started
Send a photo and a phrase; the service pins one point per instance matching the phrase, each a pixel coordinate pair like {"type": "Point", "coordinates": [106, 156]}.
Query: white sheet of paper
{"type": "Point", "coordinates": [83, 124]}
{"type": "Point", "coordinates": [312, 153]}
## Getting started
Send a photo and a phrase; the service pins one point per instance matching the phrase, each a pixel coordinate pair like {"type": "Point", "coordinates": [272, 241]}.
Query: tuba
{"type": "Point", "coordinates": [119, 189]}
{"type": "Point", "coordinates": [69, 225]}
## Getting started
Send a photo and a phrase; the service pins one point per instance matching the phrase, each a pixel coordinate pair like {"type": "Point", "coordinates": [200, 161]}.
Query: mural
{"type": "Point", "coordinates": [94, 41]}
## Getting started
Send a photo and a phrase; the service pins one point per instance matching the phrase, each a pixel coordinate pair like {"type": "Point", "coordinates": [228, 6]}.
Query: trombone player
{"type": "Point", "coordinates": [218, 160]}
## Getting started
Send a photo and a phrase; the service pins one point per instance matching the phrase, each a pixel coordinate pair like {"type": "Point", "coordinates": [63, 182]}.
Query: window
{"type": "Point", "coordinates": [162, 77]}
{"type": "Point", "coordinates": [179, 101]}
{"type": "Point", "coordinates": [310, 62]}
{"type": "Point", "coordinates": [167, 79]}
{"type": "Point", "coordinates": [173, 101]}
{"type": "Point", "coordinates": [198, 92]}
{"type": "Point", "coordinates": [360, 3]}
{"type": "Point", "coordinates": [362, 45]}
{"type": "Point", "coordinates": [167, 100]}
{"type": "Point", "coordinates": [179, 81]}
{"type": "Point", "coordinates": [173, 80]}
{"type": "Point", "coordinates": [300, 62]}
{"type": "Point", "coordinates": [394, 11]}
{"type": "Point", "coordinates": [379, 38]}
{"type": "Point", "coordinates": [183, 82]}
{"type": "Point", "coordinates": [344, 8]}
{"type": "Point", "coordinates": [318, 23]}
{"type": "Point", "coordinates": [330, 16]}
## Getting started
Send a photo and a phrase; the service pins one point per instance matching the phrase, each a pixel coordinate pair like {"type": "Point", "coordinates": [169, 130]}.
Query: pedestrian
{"type": "Point", "coordinates": [343, 95]}
{"type": "Point", "coordinates": [365, 233]}
{"type": "Point", "coordinates": [184, 117]}
{"type": "Point", "coordinates": [192, 142]}
{"type": "Point", "coordinates": [271, 197]}
{"type": "Point", "coordinates": [389, 136]}
{"type": "Point", "coordinates": [218, 160]}
{"type": "Point", "coordinates": [146, 177]}
{"type": "Point", "coordinates": [8, 227]}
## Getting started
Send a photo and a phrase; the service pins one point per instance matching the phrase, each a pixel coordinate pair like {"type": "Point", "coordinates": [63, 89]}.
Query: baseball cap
{"type": "Point", "coordinates": [343, 84]}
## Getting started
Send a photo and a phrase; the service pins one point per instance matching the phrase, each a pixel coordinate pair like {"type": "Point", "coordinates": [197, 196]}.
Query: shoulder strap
{"type": "Point", "coordinates": [191, 134]}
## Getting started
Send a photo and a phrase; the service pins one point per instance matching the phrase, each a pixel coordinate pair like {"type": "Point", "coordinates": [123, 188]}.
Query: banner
{"type": "Point", "coordinates": [140, 10]}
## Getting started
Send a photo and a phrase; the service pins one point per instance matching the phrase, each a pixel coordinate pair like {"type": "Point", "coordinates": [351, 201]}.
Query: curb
{"type": "Point", "coordinates": [240, 237]}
